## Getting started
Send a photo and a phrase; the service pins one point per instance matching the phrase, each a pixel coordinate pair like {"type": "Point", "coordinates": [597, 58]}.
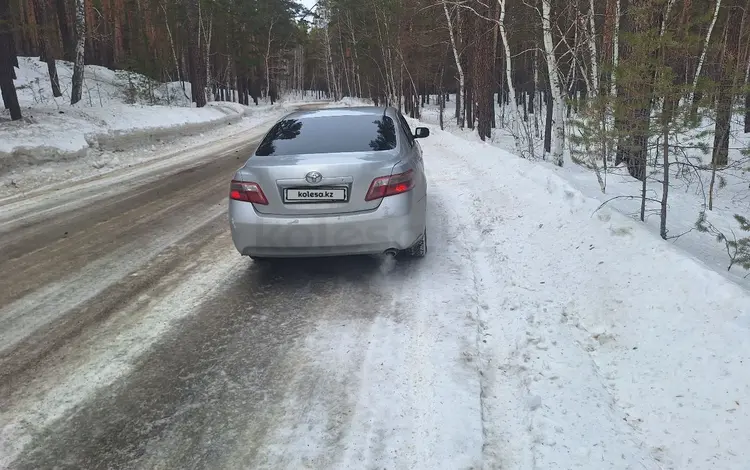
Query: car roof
{"type": "Point", "coordinates": [343, 111]}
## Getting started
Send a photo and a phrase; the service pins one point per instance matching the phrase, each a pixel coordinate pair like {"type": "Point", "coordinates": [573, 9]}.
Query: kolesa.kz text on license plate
{"type": "Point", "coordinates": [315, 194]}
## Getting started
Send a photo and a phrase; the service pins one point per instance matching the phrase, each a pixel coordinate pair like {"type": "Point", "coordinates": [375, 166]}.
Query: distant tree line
{"type": "Point", "coordinates": [216, 46]}
{"type": "Point", "coordinates": [542, 58]}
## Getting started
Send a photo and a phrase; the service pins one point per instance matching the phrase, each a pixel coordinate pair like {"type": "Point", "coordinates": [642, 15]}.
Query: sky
{"type": "Point", "coordinates": [308, 3]}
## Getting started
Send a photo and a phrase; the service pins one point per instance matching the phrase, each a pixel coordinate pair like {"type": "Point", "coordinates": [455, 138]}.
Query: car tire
{"type": "Point", "coordinates": [419, 250]}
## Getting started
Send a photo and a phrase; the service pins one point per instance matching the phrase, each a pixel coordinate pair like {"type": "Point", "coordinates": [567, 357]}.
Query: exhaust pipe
{"type": "Point", "coordinates": [388, 261]}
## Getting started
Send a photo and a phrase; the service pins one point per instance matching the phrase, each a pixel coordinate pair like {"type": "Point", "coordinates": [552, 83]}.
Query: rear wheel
{"type": "Point", "coordinates": [419, 249]}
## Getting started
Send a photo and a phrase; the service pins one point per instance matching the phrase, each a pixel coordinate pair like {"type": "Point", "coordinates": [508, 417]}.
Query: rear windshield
{"type": "Point", "coordinates": [329, 134]}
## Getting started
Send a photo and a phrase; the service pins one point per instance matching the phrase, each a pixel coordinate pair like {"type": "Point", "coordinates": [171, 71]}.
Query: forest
{"type": "Point", "coordinates": [607, 82]}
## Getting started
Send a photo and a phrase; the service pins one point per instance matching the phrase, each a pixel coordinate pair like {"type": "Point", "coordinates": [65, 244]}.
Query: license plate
{"type": "Point", "coordinates": [315, 195]}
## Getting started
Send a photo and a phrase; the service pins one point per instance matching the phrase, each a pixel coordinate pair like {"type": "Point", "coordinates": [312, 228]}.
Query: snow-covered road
{"type": "Point", "coordinates": [533, 336]}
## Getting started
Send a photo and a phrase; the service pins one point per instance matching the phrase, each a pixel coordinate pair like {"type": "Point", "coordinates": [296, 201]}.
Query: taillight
{"type": "Point", "coordinates": [390, 185]}
{"type": "Point", "coordinates": [247, 191]}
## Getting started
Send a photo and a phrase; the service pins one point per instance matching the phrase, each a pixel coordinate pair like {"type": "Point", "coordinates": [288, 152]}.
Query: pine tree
{"type": "Point", "coordinates": [738, 249]}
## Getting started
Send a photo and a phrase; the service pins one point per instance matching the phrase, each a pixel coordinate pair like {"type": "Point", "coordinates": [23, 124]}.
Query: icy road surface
{"type": "Point", "coordinates": [533, 336]}
{"type": "Point", "coordinates": [132, 335]}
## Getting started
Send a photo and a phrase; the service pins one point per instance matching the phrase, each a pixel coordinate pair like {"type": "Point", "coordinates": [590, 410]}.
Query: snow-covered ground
{"type": "Point", "coordinates": [122, 120]}
{"type": "Point", "coordinates": [601, 346]}
{"type": "Point", "coordinates": [688, 187]}
{"type": "Point", "coordinates": [538, 333]}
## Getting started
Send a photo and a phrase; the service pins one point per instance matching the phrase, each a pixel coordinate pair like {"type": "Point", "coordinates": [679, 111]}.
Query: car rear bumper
{"type": "Point", "coordinates": [397, 223]}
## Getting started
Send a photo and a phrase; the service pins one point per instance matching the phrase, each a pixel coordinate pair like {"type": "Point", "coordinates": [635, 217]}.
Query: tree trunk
{"type": "Point", "coordinates": [537, 94]}
{"type": "Point", "coordinates": [207, 37]}
{"type": "Point", "coordinates": [493, 75]}
{"type": "Point", "coordinates": [558, 115]}
{"type": "Point", "coordinates": [461, 80]}
{"type": "Point", "coordinates": [469, 105]}
{"type": "Point", "coordinates": [68, 41]}
{"type": "Point", "coordinates": [118, 49]}
{"type": "Point", "coordinates": [704, 51]}
{"type": "Point", "coordinates": [7, 61]}
{"type": "Point", "coordinates": [634, 99]}
{"type": "Point", "coordinates": [668, 110]}
{"type": "Point", "coordinates": [355, 57]}
{"type": "Point", "coordinates": [78, 67]}
{"type": "Point", "coordinates": [41, 12]}
{"type": "Point", "coordinates": [727, 84]}
{"type": "Point", "coordinates": [330, 69]}
{"type": "Point", "coordinates": [441, 99]}
{"type": "Point", "coordinates": [720, 155]}
{"type": "Point", "coordinates": [592, 52]}
{"type": "Point", "coordinates": [171, 44]}
{"type": "Point", "coordinates": [267, 58]}
{"type": "Point", "coordinates": [512, 99]}
{"type": "Point", "coordinates": [195, 60]}
{"type": "Point", "coordinates": [347, 80]}
{"type": "Point", "coordinates": [548, 121]}
{"type": "Point", "coordinates": [615, 50]}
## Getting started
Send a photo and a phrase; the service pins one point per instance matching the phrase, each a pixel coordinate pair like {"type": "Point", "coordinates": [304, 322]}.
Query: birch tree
{"type": "Point", "coordinates": [517, 119]}
{"type": "Point", "coordinates": [702, 59]}
{"type": "Point", "coordinates": [457, 58]}
{"type": "Point", "coordinates": [615, 48]}
{"type": "Point", "coordinates": [594, 58]}
{"type": "Point", "coordinates": [78, 65]}
{"type": "Point", "coordinates": [207, 34]}
{"type": "Point", "coordinates": [558, 114]}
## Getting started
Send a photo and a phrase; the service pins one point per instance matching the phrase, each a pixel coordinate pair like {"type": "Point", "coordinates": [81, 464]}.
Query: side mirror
{"type": "Point", "coordinates": [421, 132]}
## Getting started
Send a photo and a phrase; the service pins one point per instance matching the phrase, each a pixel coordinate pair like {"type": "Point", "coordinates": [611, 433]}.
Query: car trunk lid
{"type": "Point", "coordinates": [317, 184]}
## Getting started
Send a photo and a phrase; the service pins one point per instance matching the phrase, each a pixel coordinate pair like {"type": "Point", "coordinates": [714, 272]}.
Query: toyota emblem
{"type": "Point", "coordinates": [313, 177]}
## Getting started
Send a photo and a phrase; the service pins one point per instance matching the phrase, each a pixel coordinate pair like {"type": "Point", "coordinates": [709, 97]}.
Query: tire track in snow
{"type": "Point", "coordinates": [508, 445]}
{"type": "Point", "coordinates": [410, 372]}
{"type": "Point", "coordinates": [235, 385]}
{"type": "Point", "coordinates": [60, 276]}
{"type": "Point", "coordinates": [397, 385]}
{"type": "Point", "coordinates": [99, 356]}
{"type": "Point", "coordinates": [533, 366]}
{"type": "Point", "coordinates": [71, 314]}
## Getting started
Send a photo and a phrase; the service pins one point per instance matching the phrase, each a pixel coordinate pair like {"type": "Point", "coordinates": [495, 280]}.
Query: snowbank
{"type": "Point", "coordinates": [119, 110]}
{"type": "Point", "coordinates": [601, 346]}
{"type": "Point", "coordinates": [688, 194]}
{"type": "Point", "coordinates": [47, 135]}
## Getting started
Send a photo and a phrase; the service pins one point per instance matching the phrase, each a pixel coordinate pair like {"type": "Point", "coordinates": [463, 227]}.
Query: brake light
{"type": "Point", "coordinates": [390, 185]}
{"type": "Point", "coordinates": [247, 191]}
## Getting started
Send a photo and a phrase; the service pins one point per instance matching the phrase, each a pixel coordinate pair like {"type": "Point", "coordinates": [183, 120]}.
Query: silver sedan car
{"type": "Point", "coordinates": [332, 182]}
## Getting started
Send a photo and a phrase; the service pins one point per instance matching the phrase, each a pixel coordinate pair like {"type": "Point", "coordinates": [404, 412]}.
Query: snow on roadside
{"type": "Point", "coordinates": [97, 163]}
{"type": "Point", "coordinates": [102, 126]}
{"type": "Point", "coordinates": [687, 196]}
{"type": "Point", "coordinates": [601, 345]}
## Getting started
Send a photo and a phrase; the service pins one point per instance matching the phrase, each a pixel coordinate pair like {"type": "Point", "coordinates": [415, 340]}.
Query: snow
{"type": "Point", "coordinates": [120, 121]}
{"type": "Point", "coordinates": [600, 345]}
{"type": "Point", "coordinates": [100, 362]}
{"type": "Point", "coordinates": [605, 346]}
{"type": "Point", "coordinates": [541, 331]}
{"type": "Point", "coordinates": [688, 193]}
